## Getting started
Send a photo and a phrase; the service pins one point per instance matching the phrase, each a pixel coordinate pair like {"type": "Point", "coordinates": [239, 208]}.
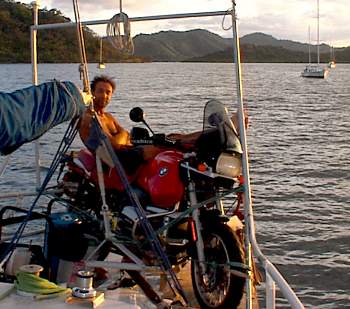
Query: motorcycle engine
{"type": "Point", "coordinates": [80, 191]}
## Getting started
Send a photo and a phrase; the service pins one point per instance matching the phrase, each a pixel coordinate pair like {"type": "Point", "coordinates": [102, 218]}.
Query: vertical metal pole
{"type": "Point", "coordinates": [34, 59]}
{"type": "Point", "coordinates": [270, 292]}
{"type": "Point", "coordinates": [120, 6]}
{"type": "Point", "coordinates": [245, 163]}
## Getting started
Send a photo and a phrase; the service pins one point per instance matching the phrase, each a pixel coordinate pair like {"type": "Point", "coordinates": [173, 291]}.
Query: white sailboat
{"type": "Point", "coordinates": [101, 64]}
{"type": "Point", "coordinates": [315, 70]}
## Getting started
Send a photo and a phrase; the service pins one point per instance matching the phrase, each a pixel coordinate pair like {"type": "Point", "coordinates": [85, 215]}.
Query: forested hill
{"type": "Point", "coordinates": [178, 45]}
{"type": "Point", "coordinates": [270, 54]}
{"type": "Point", "coordinates": [58, 45]}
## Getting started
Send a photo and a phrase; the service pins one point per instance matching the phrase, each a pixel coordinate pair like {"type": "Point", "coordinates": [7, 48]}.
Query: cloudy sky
{"type": "Point", "coordinates": [280, 18]}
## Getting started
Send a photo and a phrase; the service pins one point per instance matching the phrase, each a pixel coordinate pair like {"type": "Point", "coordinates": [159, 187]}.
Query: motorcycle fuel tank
{"type": "Point", "coordinates": [161, 179]}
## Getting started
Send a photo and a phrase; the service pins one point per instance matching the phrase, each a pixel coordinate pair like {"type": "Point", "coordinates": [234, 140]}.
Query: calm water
{"type": "Point", "coordinates": [299, 143]}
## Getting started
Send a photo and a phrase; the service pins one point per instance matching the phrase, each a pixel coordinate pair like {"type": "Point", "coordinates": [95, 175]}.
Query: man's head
{"type": "Point", "coordinates": [102, 78]}
{"type": "Point", "coordinates": [102, 88]}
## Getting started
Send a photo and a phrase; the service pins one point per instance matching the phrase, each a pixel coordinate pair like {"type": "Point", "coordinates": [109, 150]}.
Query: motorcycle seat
{"type": "Point", "coordinates": [85, 159]}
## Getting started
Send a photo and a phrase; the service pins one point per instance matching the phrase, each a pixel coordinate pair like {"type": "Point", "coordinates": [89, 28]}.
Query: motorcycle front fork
{"type": "Point", "coordinates": [197, 226]}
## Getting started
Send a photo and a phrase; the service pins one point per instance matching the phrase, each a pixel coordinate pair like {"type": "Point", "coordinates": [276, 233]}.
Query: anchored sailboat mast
{"type": "Point", "coordinates": [318, 31]}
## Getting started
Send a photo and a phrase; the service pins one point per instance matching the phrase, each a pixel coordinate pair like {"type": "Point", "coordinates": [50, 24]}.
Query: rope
{"type": "Point", "coordinates": [228, 12]}
{"type": "Point", "coordinates": [30, 283]}
{"type": "Point", "coordinates": [83, 65]}
{"type": "Point", "coordinates": [122, 43]}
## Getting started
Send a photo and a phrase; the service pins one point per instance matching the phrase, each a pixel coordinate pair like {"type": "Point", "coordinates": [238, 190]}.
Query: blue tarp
{"type": "Point", "coordinates": [28, 113]}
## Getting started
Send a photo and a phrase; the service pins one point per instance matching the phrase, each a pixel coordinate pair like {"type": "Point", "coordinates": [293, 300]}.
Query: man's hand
{"type": "Point", "coordinates": [235, 121]}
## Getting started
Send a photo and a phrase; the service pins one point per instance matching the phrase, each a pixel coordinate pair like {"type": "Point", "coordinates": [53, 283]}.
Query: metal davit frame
{"type": "Point", "coordinates": [273, 277]}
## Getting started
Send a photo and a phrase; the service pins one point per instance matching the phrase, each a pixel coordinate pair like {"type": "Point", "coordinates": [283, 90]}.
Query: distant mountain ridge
{"type": "Point", "coordinates": [262, 39]}
{"type": "Point", "coordinates": [178, 45]}
{"type": "Point", "coordinates": [209, 47]}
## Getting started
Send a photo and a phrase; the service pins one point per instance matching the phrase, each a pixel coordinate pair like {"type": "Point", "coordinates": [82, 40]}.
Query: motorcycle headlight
{"type": "Point", "coordinates": [229, 165]}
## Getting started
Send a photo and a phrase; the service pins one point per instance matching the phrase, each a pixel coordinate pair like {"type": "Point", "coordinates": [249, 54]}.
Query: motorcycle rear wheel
{"type": "Point", "coordinates": [218, 288]}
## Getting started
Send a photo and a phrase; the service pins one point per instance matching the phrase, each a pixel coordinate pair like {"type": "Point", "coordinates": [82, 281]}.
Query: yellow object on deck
{"type": "Point", "coordinates": [40, 287]}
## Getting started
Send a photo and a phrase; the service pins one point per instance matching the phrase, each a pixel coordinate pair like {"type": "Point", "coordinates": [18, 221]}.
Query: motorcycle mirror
{"type": "Point", "coordinates": [137, 114]}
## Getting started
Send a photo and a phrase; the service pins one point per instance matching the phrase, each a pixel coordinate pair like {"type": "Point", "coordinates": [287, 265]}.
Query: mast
{"type": "Point", "coordinates": [100, 50]}
{"type": "Point", "coordinates": [309, 46]}
{"type": "Point", "coordinates": [34, 60]}
{"type": "Point", "coordinates": [318, 31]}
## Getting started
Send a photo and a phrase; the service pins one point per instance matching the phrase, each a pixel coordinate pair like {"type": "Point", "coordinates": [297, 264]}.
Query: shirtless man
{"type": "Point", "coordinates": [102, 88]}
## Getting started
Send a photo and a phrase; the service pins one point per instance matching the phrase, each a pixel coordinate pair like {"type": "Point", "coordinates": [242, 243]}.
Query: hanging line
{"type": "Point", "coordinates": [228, 12]}
{"type": "Point", "coordinates": [83, 69]}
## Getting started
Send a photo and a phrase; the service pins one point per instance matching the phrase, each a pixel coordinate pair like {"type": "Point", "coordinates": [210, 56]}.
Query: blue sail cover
{"type": "Point", "coordinates": [28, 113]}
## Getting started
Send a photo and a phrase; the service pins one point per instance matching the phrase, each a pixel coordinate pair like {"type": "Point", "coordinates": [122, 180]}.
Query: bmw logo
{"type": "Point", "coordinates": [163, 171]}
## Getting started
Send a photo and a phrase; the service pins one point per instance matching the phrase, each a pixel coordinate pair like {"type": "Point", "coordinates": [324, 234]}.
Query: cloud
{"type": "Point", "coordinates": [284, 20]}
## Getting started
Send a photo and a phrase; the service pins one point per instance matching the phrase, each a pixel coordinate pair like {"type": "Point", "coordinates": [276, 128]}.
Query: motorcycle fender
{"type": "Point", "coordinates": [235, 224]}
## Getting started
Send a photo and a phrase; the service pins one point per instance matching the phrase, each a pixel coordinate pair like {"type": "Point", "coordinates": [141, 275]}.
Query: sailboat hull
{"type": "Point", "coordinates": [315, 72]}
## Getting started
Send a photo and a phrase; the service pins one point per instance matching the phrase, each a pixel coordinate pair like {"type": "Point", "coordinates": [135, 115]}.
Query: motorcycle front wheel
{"type": "Point", "coordinates": [218, 287]}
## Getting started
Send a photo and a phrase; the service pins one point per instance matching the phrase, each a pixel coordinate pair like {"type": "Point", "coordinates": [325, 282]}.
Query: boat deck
{"type": "Point", "coordinates": [121, 298]}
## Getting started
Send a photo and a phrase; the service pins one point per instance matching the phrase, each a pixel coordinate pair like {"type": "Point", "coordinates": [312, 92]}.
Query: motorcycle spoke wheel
{"type": "Point", "coordinates": [218, 288]}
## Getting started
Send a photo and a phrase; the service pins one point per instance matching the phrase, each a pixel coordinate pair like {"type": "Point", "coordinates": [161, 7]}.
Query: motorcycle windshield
{"type": "Point", "coordinates": [216, 116]}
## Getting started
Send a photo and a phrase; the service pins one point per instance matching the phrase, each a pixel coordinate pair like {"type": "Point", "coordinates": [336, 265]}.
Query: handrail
{"type": "Point", "coordinates": [271, 271]}
{"type": "Point", "coordinates": [131, 19]}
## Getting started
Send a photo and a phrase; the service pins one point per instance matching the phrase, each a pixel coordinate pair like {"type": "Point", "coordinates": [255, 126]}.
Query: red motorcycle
{"type": "Point", "coordinates": [182, 192]}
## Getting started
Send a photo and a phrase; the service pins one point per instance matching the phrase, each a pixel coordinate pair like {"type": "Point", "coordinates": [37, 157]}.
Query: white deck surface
{"type": "Point", "coordinates": [120, 298]}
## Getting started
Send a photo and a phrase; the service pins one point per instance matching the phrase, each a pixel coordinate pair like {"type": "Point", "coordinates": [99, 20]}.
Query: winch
{"type": "Point", "coordinates": [84, 287]}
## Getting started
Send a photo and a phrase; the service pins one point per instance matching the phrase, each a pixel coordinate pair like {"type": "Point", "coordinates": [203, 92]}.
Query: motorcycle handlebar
{"type": "Point", "coordinates": [155, 139]}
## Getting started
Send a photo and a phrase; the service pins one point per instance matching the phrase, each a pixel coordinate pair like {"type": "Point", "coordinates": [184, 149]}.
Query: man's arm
{"type": "Point", "coordinates": [190, 138]}
{"type": "Point", "coordinates": [117, 135]}
{"type": "Point", "coordinates": [235, 121]}
{"type": "Point", "coordinates": [85, 124]}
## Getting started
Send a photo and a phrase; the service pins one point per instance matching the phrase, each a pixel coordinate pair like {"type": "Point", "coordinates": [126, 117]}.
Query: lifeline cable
{"type": "Point", "coordinates": [147, 227]}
